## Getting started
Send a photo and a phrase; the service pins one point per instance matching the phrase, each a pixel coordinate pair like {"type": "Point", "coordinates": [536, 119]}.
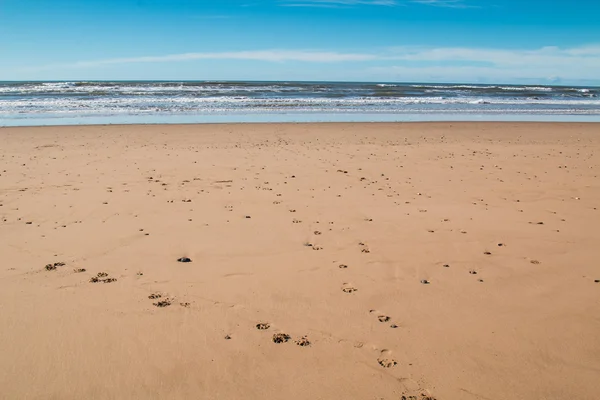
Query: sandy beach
{"type": "Point", "coordinates": [443, 261]}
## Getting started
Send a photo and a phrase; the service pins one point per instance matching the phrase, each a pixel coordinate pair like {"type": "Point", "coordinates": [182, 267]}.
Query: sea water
{"type": "Point", "coordinates": [63, 103]}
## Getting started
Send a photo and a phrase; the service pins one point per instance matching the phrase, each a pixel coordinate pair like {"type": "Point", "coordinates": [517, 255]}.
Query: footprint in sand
{"type": "Point", "coordinates": [385, 359]}
{"type": "Point", "coordinates": [303, 342]}
{"type": "Point", "coordinates": [348, 288]}
{"type": "Point", "coordinates": [163, 303]}
{"type": "Point", "coordinates": [102, 277]}
{"type": "Point", "coordinates": [380, 316]}
{"type": "Point", "coordinates": [364, 248]}
{"type": "Point", "coordinates": [281, 338]}
{"type": "Point", "coordinates": [422, 396]}
{"type": "Point", "coordinates": [52, 267]}
{"type": "Point", "coordinates": [263, 326]}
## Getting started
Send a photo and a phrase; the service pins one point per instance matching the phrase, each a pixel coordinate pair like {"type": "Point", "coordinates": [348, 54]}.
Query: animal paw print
{"type": "Point", "coordinates": [303, 342]}
{"type": "Point", "coordinates": [162, 303]}
{"type": "Point", "coordinates": [385, 359]}
{"type": "Point", "coordinates": [422, 396]}
{"type": "Point", "coordinates": [102, 277]}
{"type": "Point", "coordinates": [52, 267]}
{"type": "Point", "coordinates": [381, 317]}
{"type": "Point", "coordinates": [347, 288]}
{"type": "Point", "coordinates": [263, 326]}
{"type": "Point", "coordinates": [364, 248]}
{"type": "Point", "coordinates": [281, 338]}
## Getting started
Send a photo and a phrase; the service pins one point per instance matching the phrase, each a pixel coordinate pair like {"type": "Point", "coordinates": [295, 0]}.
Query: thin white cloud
{"type": "Point", "coordinates": [473, 64]}
{"type": "Point", "coordinates": [261, 55]}
{"type": "Point", "coordinates": [212, 17]}
{"type": "Point", "coordinates": [388, 3]}
{"type": "Point", "coordinates": [406, 63]}
{"type": "Point", "coordinates": [445, 3]}
{"type": "Point", "coordinates": [336, 3]}
{"type": "Point", "coordinates": [550, 56]}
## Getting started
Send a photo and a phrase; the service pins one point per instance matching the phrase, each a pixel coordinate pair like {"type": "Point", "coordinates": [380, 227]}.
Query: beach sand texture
{"type": "Point", "coordinates": [328, 261]}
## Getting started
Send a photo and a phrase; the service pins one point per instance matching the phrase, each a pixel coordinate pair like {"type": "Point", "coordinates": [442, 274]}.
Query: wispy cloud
{"type": "Point", "coordinates": [259, 55]}
{"type": "Point", "coordinates": [550, 56]}
{"type": "Point", "coordinates": [388, 3]}
{"type": "Point", "coordinates": [445, 3]}
{"type": "Point", "coordinates": [406, 63]}
{"type": "Point", "coordinates": [336, 3]}
{"type": "Point", "coordinates": [473, 64]}
{"type": "Point", "coordinates": [212, 16]}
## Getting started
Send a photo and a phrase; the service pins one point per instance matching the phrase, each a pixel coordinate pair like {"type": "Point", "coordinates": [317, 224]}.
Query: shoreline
{"type": "Point", "coordinates": [318, 123]}
{"type": "Point", "coordinates": [295, 118]}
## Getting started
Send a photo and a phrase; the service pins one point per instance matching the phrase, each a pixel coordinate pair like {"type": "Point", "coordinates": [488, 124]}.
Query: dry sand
{"type": "Point", "coordinates": [281, 223]}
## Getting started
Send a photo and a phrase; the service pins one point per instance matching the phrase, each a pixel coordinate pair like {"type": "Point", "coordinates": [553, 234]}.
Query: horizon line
{"type": "Point", "coordinates": [295, 81]}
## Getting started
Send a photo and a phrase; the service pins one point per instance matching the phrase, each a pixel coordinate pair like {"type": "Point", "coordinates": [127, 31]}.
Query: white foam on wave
{"type": "Point", "coordinates": [527, 88]}
{"type": "Point", "coordinates": [183, 103]}
{"type": "Point", "coordinates": [489, 87]}
{"type": "Point", "coordinates": [446, 87]}
{"type": "Point", "coordinates": [137, 89]}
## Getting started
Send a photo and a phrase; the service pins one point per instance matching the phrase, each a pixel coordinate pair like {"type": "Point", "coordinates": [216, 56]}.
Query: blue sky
{"type": "Point", "coordinates": [503, 41]}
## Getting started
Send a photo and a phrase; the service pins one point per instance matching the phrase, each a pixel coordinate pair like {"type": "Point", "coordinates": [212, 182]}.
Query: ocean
{"type": "Point", "coordinates": [64, 103]}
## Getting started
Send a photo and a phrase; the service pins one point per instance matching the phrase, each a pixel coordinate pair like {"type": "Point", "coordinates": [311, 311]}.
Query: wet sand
{"type": "Point", "coordinates": [326, 261]}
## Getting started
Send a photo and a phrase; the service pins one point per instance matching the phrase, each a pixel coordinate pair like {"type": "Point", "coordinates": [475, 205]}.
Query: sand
{"type": "Point", "coordinates": [443, 261]}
